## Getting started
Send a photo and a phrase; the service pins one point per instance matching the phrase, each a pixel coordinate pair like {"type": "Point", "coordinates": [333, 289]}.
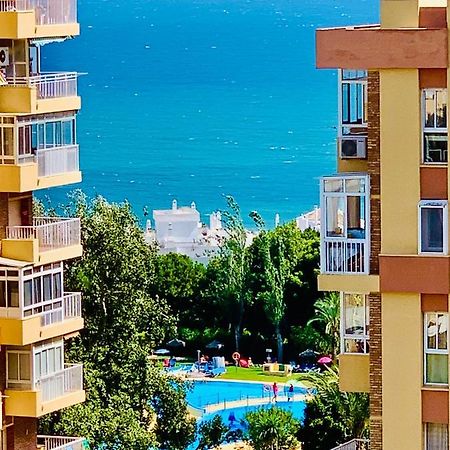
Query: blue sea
{"type": "Point", "coordinates": [197, 99]}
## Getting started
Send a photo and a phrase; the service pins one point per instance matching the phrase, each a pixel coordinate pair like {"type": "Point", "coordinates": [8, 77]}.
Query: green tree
{"type": "Point", "coordinates": [212, 433]}
{"type": "Point", "coordinates": [272, 429]}
{"type": "Point", "coordinates": [232, 269]}
{"type": "Point", "coordinates": [327, 314]}
{"type": "Point", "coordinates": [276, 275]}
{"type": "Point", "coordinates": [123, 322]}
{"type": "Point", "coordinates": [331, 416]}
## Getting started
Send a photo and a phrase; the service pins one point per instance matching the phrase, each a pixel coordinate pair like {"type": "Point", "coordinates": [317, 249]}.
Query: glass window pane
{"type": "Point", "coordinates": [2, 294]}
{"type": "Point", "coordinates": [28, 293]}
{"type": "Point", "coordinates": [333, 185]}
{"type": "Point", "coordinates": [442, 321]}
{"type": "Point", "coordinates": [431, 331]}
{"type": "Point", "coordinates": [57, 285]}
{"type": "Point", "coordinates": [37, 290]}
{"type": "Point", "coordinates": [44, 363]}
{"type": "Point", "coordinates": [13, 294]}
{"type": "Point", "coordinates": [25, 369]}
{"type": "Point", "coordinates": [356, 217]}
{"type": "Point", "coordinates": [435, 147]}
{"type": "Point", "coordinates": [335, 216]}
{"type": "Point", "coordinates": [47, 287]}
{"type": "Point", "coordinates": [354, 346]}
{"type": "Point", "coordinates": [354, 185]}
{"type": "Point", "coordinates": [354, 314]}
{"type": "Point", "coordinates": [37, 366]}
{"type": "Point", "coordinates": [429, 108]}
{"type": "Point", "coordinates": [437, 368]}
{"type": "Point", "coordinates": [432, 230]}
{"type": "Point", "coordinates": [436, 436]}
{"type": "Point", "coordinates": [441, 109]}
{"type": "Point", "coordinates": [7, 141]}
{"type": "Point", "coordinates": [13, 366]}
{"type": "Point", "coordinates": [58, 359]}
{"type": "Point", "coordinates": [51, 360]}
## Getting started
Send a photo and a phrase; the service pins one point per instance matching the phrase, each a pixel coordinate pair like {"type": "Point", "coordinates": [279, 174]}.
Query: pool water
{"type": "Point", "coordinates": [206, 393]}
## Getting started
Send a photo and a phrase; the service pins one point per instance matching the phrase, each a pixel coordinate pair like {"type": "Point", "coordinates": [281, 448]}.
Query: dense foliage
{"type": "Point", "coordinates": [331, 416]}
{"type": "Point", "coordinates": [123, 323]}
{"type": "Point", "coordinates": [212, 433]}
{"type": "Point", "coordinates": [272, 429]}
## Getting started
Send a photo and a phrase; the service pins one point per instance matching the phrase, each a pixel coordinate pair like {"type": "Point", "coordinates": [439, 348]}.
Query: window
{"type": "Point", "coordinates": [433, 225]}
{"type": "Point", "coordinates": [345, 202]}
{"type": "Point", "coordinates": [354, 323]}
{"type": "Point", "coordinates": [48, 359]}
{"type": "Point", "coordinates": [18, 367]}
{"type": "Point", "coordinates": [436, 436]}
{"type": "Point", "coordinates": [434, 107]}
{"type": "Point", "coordinates": [436, 348]}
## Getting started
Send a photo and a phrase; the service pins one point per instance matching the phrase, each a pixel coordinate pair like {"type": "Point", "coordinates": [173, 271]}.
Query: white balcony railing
{"type": "Point", "coordinates": [70, 309]}
{"type": "Point", "coordinates": [58, 160]}
{"type": "Point", "coordinates": [355, 444]}
{"type": "Point", "coordinates": [60, 443]}
{"type": "Point", "coordinates": [49, 85]}
{"type": "Point", "coordinates": [51, 232]}
{"type": "Point", "coordinates": [61, 383]}
{"type": "Point", "coordinates": [345, 256]}
{"type": "Point", "coordinates": [48, 12]}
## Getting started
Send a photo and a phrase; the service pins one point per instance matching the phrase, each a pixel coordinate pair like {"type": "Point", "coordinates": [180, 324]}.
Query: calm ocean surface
{"type": "Point", "coordinates": [194, 99]}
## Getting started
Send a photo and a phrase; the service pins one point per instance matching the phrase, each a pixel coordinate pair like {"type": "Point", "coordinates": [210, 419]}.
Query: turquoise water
{"type": "Point", "coordinates": [195, 99]}
{"type": "Point", "coordinates": [212, 392]}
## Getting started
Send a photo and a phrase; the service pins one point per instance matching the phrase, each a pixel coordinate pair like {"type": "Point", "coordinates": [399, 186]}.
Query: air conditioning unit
{"type": "Point", "coordinates": [4, 56]}
{"type": "Point", "coordinates": [353, 147]}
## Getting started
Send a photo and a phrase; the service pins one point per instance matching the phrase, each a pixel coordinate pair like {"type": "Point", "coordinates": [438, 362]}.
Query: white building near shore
{"type": "Point", "coordinates": [309, 220]}
{"type": "Point", "coordinates": [180, 230]}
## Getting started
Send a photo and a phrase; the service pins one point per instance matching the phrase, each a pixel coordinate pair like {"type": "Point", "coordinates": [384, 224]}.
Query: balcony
{"type": "Point", "coordinates": [51, 393]}
{"type": "Point", "coordinates": [29, 324]}
{"type": "Point", "coordinates": [59, 443]}
{"type": "Point", "coordinates": [21, 19]}
{"type": "Point", "coordinates": [49, 239]}
{"type": "Point", "coordinates": [345, 225]}
{"type": "Point", "coordinates": [40, 94]}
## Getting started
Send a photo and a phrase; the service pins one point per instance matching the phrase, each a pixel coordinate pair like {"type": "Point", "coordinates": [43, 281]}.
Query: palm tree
{"type": "Point", "coordinates": [327, 313]}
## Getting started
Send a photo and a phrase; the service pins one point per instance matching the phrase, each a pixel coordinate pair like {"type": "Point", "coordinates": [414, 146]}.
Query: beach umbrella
{"type": "Point", "coordinates": [324, 360]}
{"type": "Point", "coordinates": [162, 351]}
{"type": "Point", "coordinates": [216, 345]}
{"type": "Point", "coordinates": [176, 343]}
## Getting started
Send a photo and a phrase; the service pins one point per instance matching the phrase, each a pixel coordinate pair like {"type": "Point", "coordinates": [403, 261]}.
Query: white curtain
{"type": "Point", "coordinates": [436, 436]}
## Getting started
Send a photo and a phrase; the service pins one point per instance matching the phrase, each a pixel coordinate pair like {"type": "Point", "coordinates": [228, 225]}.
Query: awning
{"type": "Point", "coordinates": [14, 263]}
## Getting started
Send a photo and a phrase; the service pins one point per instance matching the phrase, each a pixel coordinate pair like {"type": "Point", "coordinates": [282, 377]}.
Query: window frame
{"type": "Point", "coordinates": [435, 129]}
{"type": "Point", "coordinates": [427, 351]}
{"type": "Point", "coordinates": [434, 204]}
{"type": "Point", "coordinates": [19, 381]}
{"type": "Point", "coordinates": [425, 433]}
{"type": "Point", "coordinates": [365, 337]}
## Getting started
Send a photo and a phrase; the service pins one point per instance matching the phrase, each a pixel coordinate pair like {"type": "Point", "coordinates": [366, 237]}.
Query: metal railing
{"type": "Point", "coordinates": [71, 308]}
{"type": "Point", "coordinates": [49, 84]}
{"type": "Point", "coordinates": [345, 256]}
{"type": "Point", "coordinates": [355, 444]}
{"type": "Point", "coordinates": [58, 160]}
{"type": "Point", "coordinates": [61, 383]}
{"type": "Point", "coordinates": [59, 443]}
{"type": "Point", "coordinates": [48, 12]}
{"type": "Point", "coordinates": [51, 232]}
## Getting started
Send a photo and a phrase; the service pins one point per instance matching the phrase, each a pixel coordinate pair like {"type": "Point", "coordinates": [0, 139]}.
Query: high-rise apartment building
{"type": "Point", "coordinates": [385, 219]}
{"type": "Point", "coordinates": [38, 149]}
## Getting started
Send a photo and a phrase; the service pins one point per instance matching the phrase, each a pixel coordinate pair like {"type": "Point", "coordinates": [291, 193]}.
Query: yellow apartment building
{"type": "Point", "coordinates": [38, 149]}
{"type": "Point", "coordinates": [385, 216]}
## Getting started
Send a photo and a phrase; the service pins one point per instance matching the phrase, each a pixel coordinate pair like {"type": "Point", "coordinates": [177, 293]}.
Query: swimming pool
{"type": "Point", "coordinates": [205, 393]}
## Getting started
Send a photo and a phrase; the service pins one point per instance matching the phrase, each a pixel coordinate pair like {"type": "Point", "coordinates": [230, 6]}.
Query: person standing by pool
{"type": "Point", "coordinates": [290, 392]}
{"type": "Point", "coordinates": [275, 391]}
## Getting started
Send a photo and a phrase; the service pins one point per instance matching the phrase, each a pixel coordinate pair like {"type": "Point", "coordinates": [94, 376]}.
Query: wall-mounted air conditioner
{"type": "Point", "coordinates": [353, 147]}
{"type": "Point", "coordinates": [4, 56]}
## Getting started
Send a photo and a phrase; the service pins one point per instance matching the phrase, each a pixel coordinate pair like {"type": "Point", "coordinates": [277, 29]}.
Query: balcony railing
{"type": "Point", "coordinates": [58, 160]}
{"type": "Point", "coordinates": [48, 12]}
{"type": "Point", "coordinates": [60, 443]}
{"type": "Point", "coordinates": [355, 444]}
{"type": "Point", "coordinates": [49, 85]}
{"type": "Point", "coordinates": [61, 383]}
{"type": "Point", "coordinates": [70, 309]}
{"type": "Point", "coordinates": [345, 256]}
{"type": "Point", "coordinates": [51, 232]}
